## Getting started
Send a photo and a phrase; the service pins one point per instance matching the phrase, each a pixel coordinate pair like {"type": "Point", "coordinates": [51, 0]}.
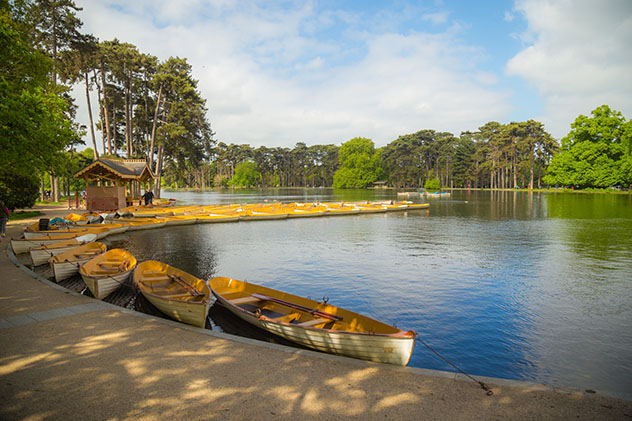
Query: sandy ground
{"type": "Point", "coordinates": [64, 356]}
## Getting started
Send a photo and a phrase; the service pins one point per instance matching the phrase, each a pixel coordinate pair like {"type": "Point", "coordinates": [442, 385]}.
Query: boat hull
{"type": "Point", "coordinates": [40, 256]}
{"type": "Point", "coordinates": [315, 325]}
{"type": "Point", "coordinates": [106, 272]}
{"type": "Point", "coordinates": [66, 264]}
{"type": "Point", "coordinates": [162, 285]}
{"type": "Point", "coordinates": [102, 286]}
{"type": "Point", "coordinates": [383, 349]}
{"type": "Point", "coordinates": [189, 313]}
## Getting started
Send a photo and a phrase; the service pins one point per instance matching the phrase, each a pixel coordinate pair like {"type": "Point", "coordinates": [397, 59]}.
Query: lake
{"type": "Point", "coordinates": [516, 285]}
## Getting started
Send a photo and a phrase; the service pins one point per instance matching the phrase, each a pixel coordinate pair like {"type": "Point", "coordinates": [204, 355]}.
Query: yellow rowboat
{"type": "Point", "coordinates": [418, 206]}
{"type": "Point", "coordinates": [341, 210]}
{"type": "Point", "coordinates": [315, 325]}
{"type": "Point", "coordinates": [106, 272]}
{"type": "Point", "coordinates": [212, 218]}
{"type": "Point", "coordinates": [371, 208]}
{"type": "Point", "coordinates": [77, 219]}
{"type": "Point", "coordinates": [32, 235]}
{"type": "Point", "coordinates": [24, 245]}
{"type": "Point", "coordinates": [306, 213]}
{"type": "Point", "coordinates": [178, 220]}
{"type": "Point", "coordinates": [174, 292]}
{"type": "Point", "coordinates": [40, 255]}
{"type": "Point", "coordinates": [99, 230]}
{"type": "Point", "coordinates": [140, 224]}
{"type": "Point", "coordinates": [115, 228]}
{"type": "Point", "coordinates": [253, 215]}
{"type": "Point", "coordinates": [66, 264]}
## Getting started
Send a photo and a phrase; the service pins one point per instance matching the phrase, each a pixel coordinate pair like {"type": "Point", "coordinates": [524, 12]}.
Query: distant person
{"type": "Point", "coordinates": [4, 217]}
{"type": "Point", "coordinates": [149, 197]}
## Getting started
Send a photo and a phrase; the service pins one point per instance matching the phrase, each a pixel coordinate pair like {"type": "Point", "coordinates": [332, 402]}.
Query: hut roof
{"type": "Point", "coordinates": [117, 169]}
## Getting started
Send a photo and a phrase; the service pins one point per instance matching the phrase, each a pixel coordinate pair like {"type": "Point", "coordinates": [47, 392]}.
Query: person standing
{"type": "Point", "coordinates": [4, 217]}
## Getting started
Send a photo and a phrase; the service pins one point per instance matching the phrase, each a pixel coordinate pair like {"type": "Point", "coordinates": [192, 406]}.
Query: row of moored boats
{"type": "Point", "coordinates": [186, 298]}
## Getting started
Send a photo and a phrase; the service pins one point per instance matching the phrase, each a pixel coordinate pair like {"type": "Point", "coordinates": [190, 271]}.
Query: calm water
{"type": "Point", "coordinates": [533, 287]}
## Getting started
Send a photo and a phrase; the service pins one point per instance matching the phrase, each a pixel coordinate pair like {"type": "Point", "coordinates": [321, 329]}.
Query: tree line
{"type": "Point", "coordinates": [495, 156]}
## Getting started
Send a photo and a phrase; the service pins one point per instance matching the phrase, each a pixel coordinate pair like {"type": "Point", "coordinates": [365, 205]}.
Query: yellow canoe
{"type": "Point", "coordinates": [174, 292]}
{"type": "Point", "coordinates": [315, 325]}
{"type": "Point", "coordinates": [106, 272]}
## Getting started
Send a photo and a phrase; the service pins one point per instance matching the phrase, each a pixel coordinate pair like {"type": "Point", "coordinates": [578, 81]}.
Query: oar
{"type": "Point", "coordinates": [312, 311]}
{"type": "Point", "coordinates": [194, 291]}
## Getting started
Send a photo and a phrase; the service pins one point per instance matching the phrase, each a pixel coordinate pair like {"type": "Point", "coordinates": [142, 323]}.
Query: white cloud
{"type": "Point", "coordinates": [578, 56]}
{"type": "Point", "coordinates": [437, 17]}
{"type": "Point", "coordinates": [269, 79]}
{"type": "Point", "coordinates": [509, 17]}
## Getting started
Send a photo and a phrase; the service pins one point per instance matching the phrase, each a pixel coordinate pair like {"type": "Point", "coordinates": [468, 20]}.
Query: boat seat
{"type": "Point", "coordinates": [175, 295]}
{"type": "Point", "coordinates": [244, 300]}
{"type": "Point", "coordinates": [155, 278]}
{"type": "Point", "coordinates": [313, 322]}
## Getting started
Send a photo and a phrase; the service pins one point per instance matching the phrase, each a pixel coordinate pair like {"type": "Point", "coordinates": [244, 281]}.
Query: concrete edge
{"type": "Point", "coordinates": [491, 381]}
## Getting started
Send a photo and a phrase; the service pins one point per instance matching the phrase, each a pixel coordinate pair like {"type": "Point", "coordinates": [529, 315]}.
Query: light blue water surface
{"type": "Point", "coordinates": [534, 287]}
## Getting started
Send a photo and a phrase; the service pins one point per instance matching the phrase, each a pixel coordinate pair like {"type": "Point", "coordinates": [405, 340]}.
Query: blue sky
{"type": "Point", "coordinates": [276, 73]}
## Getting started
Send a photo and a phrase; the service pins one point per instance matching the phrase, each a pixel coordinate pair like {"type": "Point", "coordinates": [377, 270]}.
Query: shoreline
{"type": "Point", "coordinates": [412, 189]}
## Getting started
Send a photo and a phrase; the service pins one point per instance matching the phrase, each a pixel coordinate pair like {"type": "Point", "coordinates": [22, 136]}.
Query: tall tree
{"type": "Point", "coordinates": [55, 28]}
{"type": "Point", "coordinates": [594, 153]}
{"type": "Point", "coordinates": [359, 164]}
{"type": "Point", "coordinates": [34, 125]}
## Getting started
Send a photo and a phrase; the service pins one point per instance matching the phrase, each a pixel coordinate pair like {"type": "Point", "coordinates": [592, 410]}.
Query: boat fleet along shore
{"type": "Point", "coordinates": [71, 245]}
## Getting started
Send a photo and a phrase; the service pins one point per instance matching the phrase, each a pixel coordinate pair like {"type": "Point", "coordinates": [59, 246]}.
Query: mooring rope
{"type": "Point", "coordinates": [483, 386]}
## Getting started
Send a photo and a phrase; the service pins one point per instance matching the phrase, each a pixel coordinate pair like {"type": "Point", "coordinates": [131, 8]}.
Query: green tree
{"type": "Point", "coordinates": [595, 153]}
{"type": "Point", "coordinates": [246, 175]}
{"type": "Point", "coordinates": [34, 126]}
{"type": "Point", "coordinates": [359, 164]}
{"type": "Point", "coordinates": [463, 164]}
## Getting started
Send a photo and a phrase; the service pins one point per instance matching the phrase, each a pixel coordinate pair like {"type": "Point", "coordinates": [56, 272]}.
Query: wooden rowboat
{"type": "Point", "coordinates": [100, 230]}
{"type": "Point", "coordinates": [106, 272]}
{"type": "Point", "coordinates": [40, 255]}
{"type": "Point", "coordinates": [66, 264]}
{"type": "Point", "coordinates": [315, 325]}
{"type": "Point", "coordinates": [24, 245]}
{"type": "Point", "coordinates": [176, 293]}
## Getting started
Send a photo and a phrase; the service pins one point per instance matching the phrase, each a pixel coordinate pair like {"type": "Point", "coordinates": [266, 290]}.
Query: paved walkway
{"type": "Point", "coordinates": [66, 356]}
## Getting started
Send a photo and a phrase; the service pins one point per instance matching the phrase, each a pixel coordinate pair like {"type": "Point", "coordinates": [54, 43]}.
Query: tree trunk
{"type": "Point", "coordinates": [531, 173]}
{"type": "Point", "coordinates": [94, 74]}
{"type": "Point", "coordinates": [105, 109]}
{"type": "Point", "coordinates": [56, 195]}
{"type": "Point", "coordinates": [94, 140]}
{"type": "Point", "coordinates": [127, 138]}
{"type": "Point", "coordinates": [153, 129]}
{"type": "Point", "coordinates": [158, 171]}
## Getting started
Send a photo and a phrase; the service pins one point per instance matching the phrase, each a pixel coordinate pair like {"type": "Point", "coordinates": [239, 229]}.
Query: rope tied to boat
{"type": "Point", "coordinates": [483, 385]}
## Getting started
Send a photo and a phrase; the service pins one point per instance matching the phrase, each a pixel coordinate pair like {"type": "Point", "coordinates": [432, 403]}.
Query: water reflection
{"type": "Point", "coordinates": [506, 284]}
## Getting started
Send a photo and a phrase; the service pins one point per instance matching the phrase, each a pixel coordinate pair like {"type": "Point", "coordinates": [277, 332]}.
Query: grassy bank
{"type": "Point", "coordinates": [18, 215]}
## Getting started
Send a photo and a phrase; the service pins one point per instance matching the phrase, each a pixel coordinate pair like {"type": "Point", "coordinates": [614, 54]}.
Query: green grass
{"type": "Point", "coordinates": [18, 215]}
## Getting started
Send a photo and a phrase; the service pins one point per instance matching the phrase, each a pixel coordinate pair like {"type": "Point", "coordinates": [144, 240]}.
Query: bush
{"type": "Point", "coordinates": [432, 184]}
{"type": "Point", "coordinates": [18, 191]}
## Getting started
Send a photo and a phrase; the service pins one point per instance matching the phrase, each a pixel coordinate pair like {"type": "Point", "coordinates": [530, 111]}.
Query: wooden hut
{"type": "Point", "coordinates": [113, 183]}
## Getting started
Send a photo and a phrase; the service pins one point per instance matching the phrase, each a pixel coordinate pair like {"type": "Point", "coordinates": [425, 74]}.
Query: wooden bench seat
{"type": "Point", "coordinates": [314, 322]}
{"type": "Point", "coordinates": [244, 300]}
